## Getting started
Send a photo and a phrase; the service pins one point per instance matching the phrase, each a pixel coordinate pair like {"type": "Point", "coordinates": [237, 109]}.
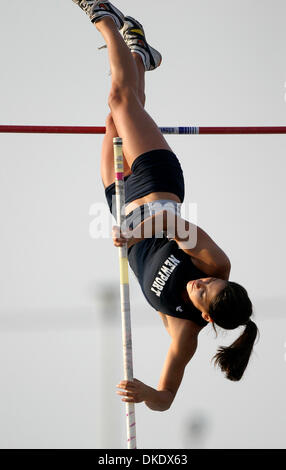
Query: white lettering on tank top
{"type": "Point", "coordinates": [163, 275]}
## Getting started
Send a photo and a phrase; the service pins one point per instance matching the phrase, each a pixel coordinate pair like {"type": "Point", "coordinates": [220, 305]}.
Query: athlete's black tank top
{"type": "Point", "coordinates": [163, 271]}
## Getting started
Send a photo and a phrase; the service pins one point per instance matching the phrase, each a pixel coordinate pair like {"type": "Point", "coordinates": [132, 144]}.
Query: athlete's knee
{"type": "Point", "coordinates": [120, 96]}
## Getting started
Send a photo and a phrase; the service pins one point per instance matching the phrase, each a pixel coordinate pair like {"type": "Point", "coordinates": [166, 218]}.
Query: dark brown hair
{"type": "Point", "coordinates": [230, 309]}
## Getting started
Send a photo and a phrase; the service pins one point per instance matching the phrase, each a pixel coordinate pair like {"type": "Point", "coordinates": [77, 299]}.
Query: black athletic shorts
{"type": "Point", "coordinates": [152, 172]}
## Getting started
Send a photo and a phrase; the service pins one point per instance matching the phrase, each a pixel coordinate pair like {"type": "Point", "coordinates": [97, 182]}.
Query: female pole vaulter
{"type": "Point", "coordinates": [186, 283]}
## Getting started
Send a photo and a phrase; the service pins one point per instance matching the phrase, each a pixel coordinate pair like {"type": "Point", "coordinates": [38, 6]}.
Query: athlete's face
{"type": "Point", "coordinates": [203, 291]}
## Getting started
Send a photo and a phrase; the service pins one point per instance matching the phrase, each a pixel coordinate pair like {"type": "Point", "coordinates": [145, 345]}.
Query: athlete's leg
{"type": "Point", "coordinates": [139, 132]}
{"type": "Point", "coordinates": [107, 153]}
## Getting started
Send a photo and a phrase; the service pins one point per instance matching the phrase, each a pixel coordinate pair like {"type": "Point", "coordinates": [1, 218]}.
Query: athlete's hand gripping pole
{"type": "Point", "coordinates": [124, 290]}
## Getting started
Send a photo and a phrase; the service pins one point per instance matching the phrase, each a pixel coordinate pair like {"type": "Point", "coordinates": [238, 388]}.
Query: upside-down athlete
{"type": "Point", "coordinates": [187, 285]}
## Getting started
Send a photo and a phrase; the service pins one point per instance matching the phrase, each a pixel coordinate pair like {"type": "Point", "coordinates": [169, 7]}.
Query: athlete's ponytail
{"type": "Point", "coordinates": [230, 309]}
{"type": "Point", "coordinates": [233, 359]}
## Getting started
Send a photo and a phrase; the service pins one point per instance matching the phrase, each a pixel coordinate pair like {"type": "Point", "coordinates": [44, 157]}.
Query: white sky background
{"type": "Point", "coordinates": [223, 64]}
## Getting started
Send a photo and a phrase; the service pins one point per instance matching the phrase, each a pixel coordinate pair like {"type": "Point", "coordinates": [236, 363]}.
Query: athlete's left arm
{"type": "Point", "coordinates": [179, 355]}
{"type": "Point", "coordinates": [194, 241]}
{"type": "Point", "coordinates": [181, 350]}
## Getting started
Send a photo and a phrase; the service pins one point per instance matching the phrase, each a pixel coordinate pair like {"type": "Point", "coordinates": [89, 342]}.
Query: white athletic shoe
{"type": "Point", "coordinates": [96, 10]}
{"type": "Point", "coordinates": [134, 36]}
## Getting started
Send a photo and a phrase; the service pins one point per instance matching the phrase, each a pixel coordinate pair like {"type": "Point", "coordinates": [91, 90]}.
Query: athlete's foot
{"type": "Point", "coordinates": [134, 36]}
{"type": "Point", "coordinates": [97, 10]}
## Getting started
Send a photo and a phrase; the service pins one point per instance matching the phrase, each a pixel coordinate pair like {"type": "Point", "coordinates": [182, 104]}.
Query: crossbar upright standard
{"type": "Point", "coordinates": [124, 289]}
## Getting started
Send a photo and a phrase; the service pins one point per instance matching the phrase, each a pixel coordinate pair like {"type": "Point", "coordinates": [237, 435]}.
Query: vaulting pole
{"type": "Point", "coordinates": [165, 130]}
{"type": "Point", "coordinates": [124, 290]}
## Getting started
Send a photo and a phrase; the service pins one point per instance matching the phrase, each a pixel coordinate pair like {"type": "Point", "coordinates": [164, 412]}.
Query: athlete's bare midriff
{"type": "Point", "coordinates": [150, 198]}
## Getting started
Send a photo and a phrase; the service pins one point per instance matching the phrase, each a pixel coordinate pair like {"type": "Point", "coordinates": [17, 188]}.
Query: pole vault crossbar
{"type": "Point", "coordinates": [193, 130]}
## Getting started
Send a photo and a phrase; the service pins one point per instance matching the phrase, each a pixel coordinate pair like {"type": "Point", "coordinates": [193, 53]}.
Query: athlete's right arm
{"type": "Point", "coordinates": [147, 229]}
{"type": "Point", "coordinates": [194, 241]}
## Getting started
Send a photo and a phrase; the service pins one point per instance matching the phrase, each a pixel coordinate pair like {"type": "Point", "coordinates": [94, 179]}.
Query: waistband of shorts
{"type": "Point", "coordinates": [148, 209]}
